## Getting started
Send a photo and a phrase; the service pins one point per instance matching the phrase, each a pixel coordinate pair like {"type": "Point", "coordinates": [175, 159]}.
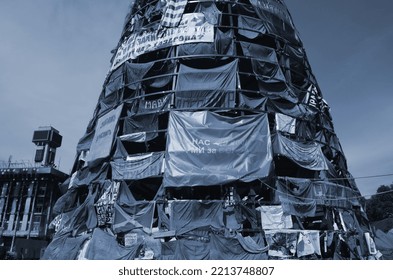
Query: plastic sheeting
{"type": "Point", "coordinates": [215, 86]}
{"type": "Point", "coordinates": [204, 148]}
{"type": "Point", "coordinates": [285, 123]}
{"type": "Point", "coordinates": [190, 215]}
{"type": "Point", "coordinates": [161, 74]}
{"type": "Point", "coordinates": [140, 123]}
{"type": "Point", "coordinates": [109, 102]}
{"type": "Point", "coordinates": [305, 191]}
{"type": "Point", "coordinates": [384, 243]}
{"type": "Point", "coordinates": [139, 137]}
{"type": "Point", "coordinates": [133, 216]}
{"type": "Point", "coordinates": [103, 246]}
{"type": "Point", "coordinates": [64, 247]}
{"type": "Point", "coordinates": [305, 154]}
{"type": "Point", "coordinates": [217, 247]}
{"type": "Point", "coordinates": [135, 72]}
{"type": "Point", "coordinates": [272, 217]}
{"type": "Point", "coordinates": [250, 27]}
{"type": "Point", "coordinates": [138, 167]}
{"type": "Point", "coordinates": [86, 175]}
{"type": "Point", "coordinates": [115, 81]}
{"type": "Point", "coordinates": [209, 10]}
{"type": "Point", "coordinates": [263, 53]}
{"type": "Point", "coordinates": [85, 142]}
{"type": "Point", "coordinates": [276, 17]}
{"type": "Point", "coordinates": [252, 102]}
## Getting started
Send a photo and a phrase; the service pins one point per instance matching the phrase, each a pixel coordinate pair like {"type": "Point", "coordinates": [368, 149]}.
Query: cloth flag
{"type": "Point", "coordinates": [173, 13]}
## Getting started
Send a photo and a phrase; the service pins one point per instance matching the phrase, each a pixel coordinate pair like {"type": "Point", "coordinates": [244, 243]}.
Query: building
{"type": "Point", "coordinates": [28, 193]}
{"type": "Point", "coordinates": [211, 139]}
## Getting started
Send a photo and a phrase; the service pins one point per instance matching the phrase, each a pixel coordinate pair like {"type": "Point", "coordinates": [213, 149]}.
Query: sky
{"type": "Point", "coordinates": [54, 56]}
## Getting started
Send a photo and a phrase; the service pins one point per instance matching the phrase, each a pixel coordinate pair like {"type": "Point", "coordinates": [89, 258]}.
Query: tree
{"type": "Point", "coordinates": [380, 205]}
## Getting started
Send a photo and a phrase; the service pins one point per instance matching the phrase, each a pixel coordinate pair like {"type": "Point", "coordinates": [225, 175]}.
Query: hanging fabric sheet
{"type": "Point", "coordinates": [138, 167]}
{"type": "Point", "coordinates": [204, 149]}
{"type": "Point", "coordinates": [285, 123]}
{"type": "Point", "coordinates": [305, 154]}
{"type": "Point", "coordinates": [109, 102]}
{"type": "Point", "coordinates": [209, 10]}
{"type": "Point", "coordinates": [305, 191]}
{"type": "Point", "coordinates": [237, 248]}
{"type": "Point", "coordinates": [135, 72]}
{"type": "Point", "coordinates": [120, 151]}
{"type": "Point", "coordinates": [137, 215]}
{"type": "Point", "coordinates": [115, 81]}
{"type": "Point", "coordinates": [263, 53]}
{"type": "Point", "coordinates": [161, 74]}
{"type": "Point", "coordinates": [104, 205]}
{"type": "Point", "coordinates": [215, 86]}
{"type": "Point", "coordinates": [103, 137]}
{"type": "Point", "coordinates": [252, 102]}
{"type": "Point", "coordinates": [276, 17]}
{"type": "Point", "coordinates": [291, 109]}
{"type": "Point", "coordinates": [140, 123]}
{"type": "Point", "coordinates": [64, 247]}
{"type": "Point", "coordinates": [103, 246]}
{"type": "Point", "coordinates": [86, 175]}
{"type": "Point", "coordinates": [173, 13]}
{"type": "Point", "coordinates": [250, 27]}
{"type": "Point", "coordinates": [139, 137]}
{"type": "Point", "coordinates": [85, 142]}
{"type": "Point", "coordinates": [156, 105]}
{"type": "Point", "coordinates": [273, 217]}
{"type": "Point", "coordinates": [190, 215]}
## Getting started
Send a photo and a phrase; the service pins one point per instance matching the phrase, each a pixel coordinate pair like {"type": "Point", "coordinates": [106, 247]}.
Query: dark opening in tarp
{"type": "Point", "coordinates": [204, 149]}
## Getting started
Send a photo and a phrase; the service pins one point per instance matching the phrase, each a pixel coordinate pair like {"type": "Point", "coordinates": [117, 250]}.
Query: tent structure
{"type": "Point", "coordinates": [210, 140]}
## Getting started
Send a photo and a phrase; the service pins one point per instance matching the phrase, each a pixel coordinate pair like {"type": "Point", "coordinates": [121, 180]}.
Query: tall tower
{"type": "Point", "coordinates": [211, 140]}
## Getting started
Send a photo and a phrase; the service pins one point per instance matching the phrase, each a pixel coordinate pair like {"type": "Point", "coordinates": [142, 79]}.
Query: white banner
{"type": "Point", "coordinates": [103, 137]}
{"type": "Point", "coordinates": [193, 28]}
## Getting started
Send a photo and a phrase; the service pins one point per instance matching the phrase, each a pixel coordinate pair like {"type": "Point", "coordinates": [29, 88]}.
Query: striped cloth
{"type": "Point", "coordinates": [173, 13]}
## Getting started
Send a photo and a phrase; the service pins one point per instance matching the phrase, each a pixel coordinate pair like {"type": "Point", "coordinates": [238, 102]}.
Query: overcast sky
{"type": "Point", "coordinates": [54, 56]}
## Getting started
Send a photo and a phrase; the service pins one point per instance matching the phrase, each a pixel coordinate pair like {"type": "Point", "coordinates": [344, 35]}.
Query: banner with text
{"type": "Point", "coordinates": [103, 137]}
{"type": "Point", "coordinates": [205, 149]}
{"type": "Point", "coordinates": [193, 28]}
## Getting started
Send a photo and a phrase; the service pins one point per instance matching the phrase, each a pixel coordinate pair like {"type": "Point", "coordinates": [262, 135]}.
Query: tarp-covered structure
{"type": "Point", "coordinates": [210, 140]}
